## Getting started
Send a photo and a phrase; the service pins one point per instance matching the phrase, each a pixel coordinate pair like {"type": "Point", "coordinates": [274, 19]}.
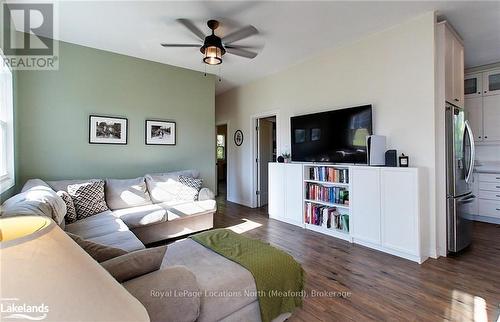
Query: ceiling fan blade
{"type": "Point", "coordinates": [241, 52]}
{"type": "Point", "coordinates": [191, 26]}
{"type": "Point", "coordinates": [240, 34]}
{"type": "Point", "coordinates": [181, 45]}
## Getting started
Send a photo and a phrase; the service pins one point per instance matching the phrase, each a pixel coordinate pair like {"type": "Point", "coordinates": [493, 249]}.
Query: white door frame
{"type": "Point", "coordinates": [253, 138]}
{"type": "Point", "coordinates": [226, 123]}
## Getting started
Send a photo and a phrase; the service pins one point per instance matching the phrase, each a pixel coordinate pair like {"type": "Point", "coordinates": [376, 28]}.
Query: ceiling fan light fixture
{"type": "Point", "coordinates": [213, 55]}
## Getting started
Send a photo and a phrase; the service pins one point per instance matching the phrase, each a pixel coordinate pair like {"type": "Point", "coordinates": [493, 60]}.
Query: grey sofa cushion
{"type": "Point", "coordinates": [97, 251]}
{"type": "Point", "coordinates": [125, 193]}
{"type": "Point", "coordinates": [63, 184]}
{"type": "Point", "coordinates": [106, 229]}
{"type": "Point", "coordinates": [193, 208]}
{"type": "Point", "coordinates": [165, 187]}
{"type": "Point", "coordinates": [143, 215]}
{"type": "Point", "coordinates": [135, 264]}
{"type": "Point", "coordinates": [88, 198]}
{"type": "Point", "coordinates": [39, 200]}
{"type": "Point", "coordinates": [157, 290]}
{"type": "Point", "coordinates": [207, 266]}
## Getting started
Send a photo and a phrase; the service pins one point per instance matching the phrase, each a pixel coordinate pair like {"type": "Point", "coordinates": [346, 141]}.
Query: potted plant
{"type": "Point", "coordinates": [286, 156]}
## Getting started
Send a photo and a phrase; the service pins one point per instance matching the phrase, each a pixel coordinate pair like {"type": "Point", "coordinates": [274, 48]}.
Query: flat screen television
{"type": "Point", "coordinates": [337, 136]}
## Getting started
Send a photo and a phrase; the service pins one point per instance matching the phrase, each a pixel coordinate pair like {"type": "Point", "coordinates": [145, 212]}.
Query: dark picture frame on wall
{"type": "Point", "coordinates": [108, 130]}
{"type": "Point", "coordinates": [158, 132]}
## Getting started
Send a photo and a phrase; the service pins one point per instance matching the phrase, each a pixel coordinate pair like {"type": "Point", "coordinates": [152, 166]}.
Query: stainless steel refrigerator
{"type": "Point", "coordinates": [459, 167]}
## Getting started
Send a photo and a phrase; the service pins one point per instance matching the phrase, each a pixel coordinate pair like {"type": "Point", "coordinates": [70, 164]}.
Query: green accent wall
{"type": "Point", "coordinates": [53, 109]}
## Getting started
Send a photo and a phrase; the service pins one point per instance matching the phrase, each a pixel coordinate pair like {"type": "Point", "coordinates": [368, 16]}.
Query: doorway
{"type": "Point", "coordinates": [266, 152]}
{"type": "Point", "coordinates": [221, 154]}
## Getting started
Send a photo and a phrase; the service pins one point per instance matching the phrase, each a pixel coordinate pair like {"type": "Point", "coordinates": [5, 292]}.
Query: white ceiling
{"type": "Point", "coordinates": [289, 31]}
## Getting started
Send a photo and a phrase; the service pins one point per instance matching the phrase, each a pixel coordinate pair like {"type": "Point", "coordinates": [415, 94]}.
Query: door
{"type": "Point", "coordinates": [400, 222]}
{"type": "Point", "coordinates": [459, 226]}
{"type": "Point", "coordinates": [365, 204]}
{"type": "Point", "coordinates": [276, 179]}
{"type": "Point", "coordinates": [491, 80]}
{"type": "Point", "coordinates": [458, 73]}
{"type": "Point", "coordinates": [474, 114]}
{"type": "Point", "coordinates": [491, 117]}
{"type": "Point", "coordinates": [265, 155]}
{"type": "Point", "coordinates": [456, 170]}
{"type": "Point", "coordinates": [473, 86]}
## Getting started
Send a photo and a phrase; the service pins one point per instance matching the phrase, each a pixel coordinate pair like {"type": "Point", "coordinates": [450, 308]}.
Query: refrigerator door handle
{"type": "Point", "coordinates": [472, 152]}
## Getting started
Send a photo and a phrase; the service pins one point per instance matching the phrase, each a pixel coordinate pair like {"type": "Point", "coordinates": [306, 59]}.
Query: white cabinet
{"type": "Point", "coordinates": [491, 118]}
{"type": "Point", "coordinates": [365, 204]}
{"type": "Point", "coordinates": [285, 192]}
{"type": "Point", "coordinates": [488, 208]}
{"type": "Point", "coordinates": [473, 86]}
{"type": "Point", "coordinates": [400, 210]}
{"type": "Point", "coordinates": [491, 80]}
{"type": "Point", "coordinates": [482, 106]}
{"type": "Point", "coordinates": [385, 210]}
{"type": "Point", "coordinates": [454, 66]}
{"type": "Point", "coordinates": [474, 114]}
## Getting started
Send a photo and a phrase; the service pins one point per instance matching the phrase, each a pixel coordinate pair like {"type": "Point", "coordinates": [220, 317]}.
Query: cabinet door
{"type": "Point", "coordinates": [491, 118]}
{"type": "Point", "coordinates": [294, 194]}
{"type": "Point", "coordinates": [473, 86]}
{"type": "Point", "coordinates": [458, 72]}
{"type": "Point", "coordinates": [400, 222]}
{"type": "Point", "coordinates": [365, 204]}
{"type": "Point", "coordinates": [491, 80]}
{"type": "Point", "coordinates": [276, 177]}
{"type": "Point", "coordinates": [474, 114]}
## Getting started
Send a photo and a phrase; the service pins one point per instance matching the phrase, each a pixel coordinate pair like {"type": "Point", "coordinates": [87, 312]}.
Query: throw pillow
{"type": "Point", "coordinates": [190, 189]}
{"type": "Point", "coordinates": [134, 264]}
{"type": "Point", "coordinates": [97, 251]}
{"type": "Point", "coordinates": [70, 216]}
{"type": "Point", "coordinates": [88, 198]}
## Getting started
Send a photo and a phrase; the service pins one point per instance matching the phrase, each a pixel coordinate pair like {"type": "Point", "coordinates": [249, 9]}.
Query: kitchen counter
{"type": "Point", "coordinates": [487, 167]}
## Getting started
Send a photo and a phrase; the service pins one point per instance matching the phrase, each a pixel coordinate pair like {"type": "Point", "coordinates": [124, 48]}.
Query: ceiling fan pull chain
{"type": "Point", "coordinates": [220, 72]}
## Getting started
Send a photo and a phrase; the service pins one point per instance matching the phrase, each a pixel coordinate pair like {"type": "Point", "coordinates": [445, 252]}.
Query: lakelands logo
{"type": "Point", "coordinates": [28, 36]}
{"type": "Point", "coordinates": [12, 308]}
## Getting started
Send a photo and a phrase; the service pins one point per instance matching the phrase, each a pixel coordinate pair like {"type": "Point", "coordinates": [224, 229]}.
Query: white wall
{"type": "Point", "coordinates": [393, 70]}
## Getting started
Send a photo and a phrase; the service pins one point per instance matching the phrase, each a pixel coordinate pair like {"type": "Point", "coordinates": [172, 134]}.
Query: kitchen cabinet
{"type": "Point", "coordinates": [482, 104]}
{"type": "Point", "coordinates": [474, 114]}
{"type": "Point", "coordinates": [473, 86]}
{"type": "Point", "coordinates": [454, 66]}
{"type": "Point", "coordinates": [491, 81]}
{"type": "Point", "coordinates": [491, 118]}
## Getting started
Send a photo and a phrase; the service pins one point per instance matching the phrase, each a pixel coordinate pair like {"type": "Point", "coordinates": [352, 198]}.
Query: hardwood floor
{"type": "Point", "coordinates": [372, 285]}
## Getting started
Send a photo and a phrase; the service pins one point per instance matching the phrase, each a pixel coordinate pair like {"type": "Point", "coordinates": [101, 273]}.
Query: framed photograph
{"type": "Point", "coordinates": [160, 132]}
{"type": "Point", "coordinates": [107, 130]}
{"type": "Point", "coordinates": [238, 137]}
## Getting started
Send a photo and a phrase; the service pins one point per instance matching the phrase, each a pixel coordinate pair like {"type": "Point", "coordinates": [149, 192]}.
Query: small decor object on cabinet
{"type": "Point", "coordinates": [286, 157]}
{"type": "Point", "coordinates": [107, 130]}
{"type": "Point", "coordinates": [160, 132]}
{"type": "Point", "coordinates": [238, 138]}
{"type": "Point", "coordinates": [281, 159]}
{"type": "Point", "coordinates": [403, 161]}
{"type": "Point", "coordinates": [391, 158]}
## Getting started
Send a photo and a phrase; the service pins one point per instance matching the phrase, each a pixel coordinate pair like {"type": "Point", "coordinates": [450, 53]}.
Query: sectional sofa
{"type": "Point", "coordinates": [141, 210]}
{"type": "Point", "coordinates": [145, 210]}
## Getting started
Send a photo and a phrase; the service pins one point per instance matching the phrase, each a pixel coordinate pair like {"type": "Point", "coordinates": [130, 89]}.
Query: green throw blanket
{"type": "Point", "coordinates": [278, 277]}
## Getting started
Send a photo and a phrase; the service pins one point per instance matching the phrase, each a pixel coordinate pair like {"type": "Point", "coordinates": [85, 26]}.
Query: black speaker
{"type": "Point", "coordinates": [391, 158]}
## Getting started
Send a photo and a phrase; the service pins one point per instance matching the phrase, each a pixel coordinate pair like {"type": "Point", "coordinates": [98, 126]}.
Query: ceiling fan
{"type": "Point", "coordinates": [214, 47]}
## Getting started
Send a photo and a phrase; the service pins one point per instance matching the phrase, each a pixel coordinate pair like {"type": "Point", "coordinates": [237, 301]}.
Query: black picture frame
{"type": "Point", "coordinates": [238, 137]}
{"type": "Point", "coordinates": [149, 140]}
{"type": "Point", "coordinates": [94, 139]}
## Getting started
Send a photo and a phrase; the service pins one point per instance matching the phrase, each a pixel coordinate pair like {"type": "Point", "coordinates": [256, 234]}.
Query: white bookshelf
{"type": "Point", "coordinates": [339, 182]}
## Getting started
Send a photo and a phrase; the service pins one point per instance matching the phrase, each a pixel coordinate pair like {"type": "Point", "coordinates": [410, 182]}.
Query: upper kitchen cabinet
{"type": "Point", "coordinates": [454, 65]}
{"type": "Point", "coordinates": [491, 118]}
{"type": "Point", "coordinates": [473, 85]}
{"type": "Point", "coordinates": [491, 81]}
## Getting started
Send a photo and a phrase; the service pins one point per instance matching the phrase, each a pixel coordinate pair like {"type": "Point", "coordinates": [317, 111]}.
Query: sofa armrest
{"type": "Point", "coordinates": [206, 194]}
{"type": "Point", "coordinates": [170, 293]}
